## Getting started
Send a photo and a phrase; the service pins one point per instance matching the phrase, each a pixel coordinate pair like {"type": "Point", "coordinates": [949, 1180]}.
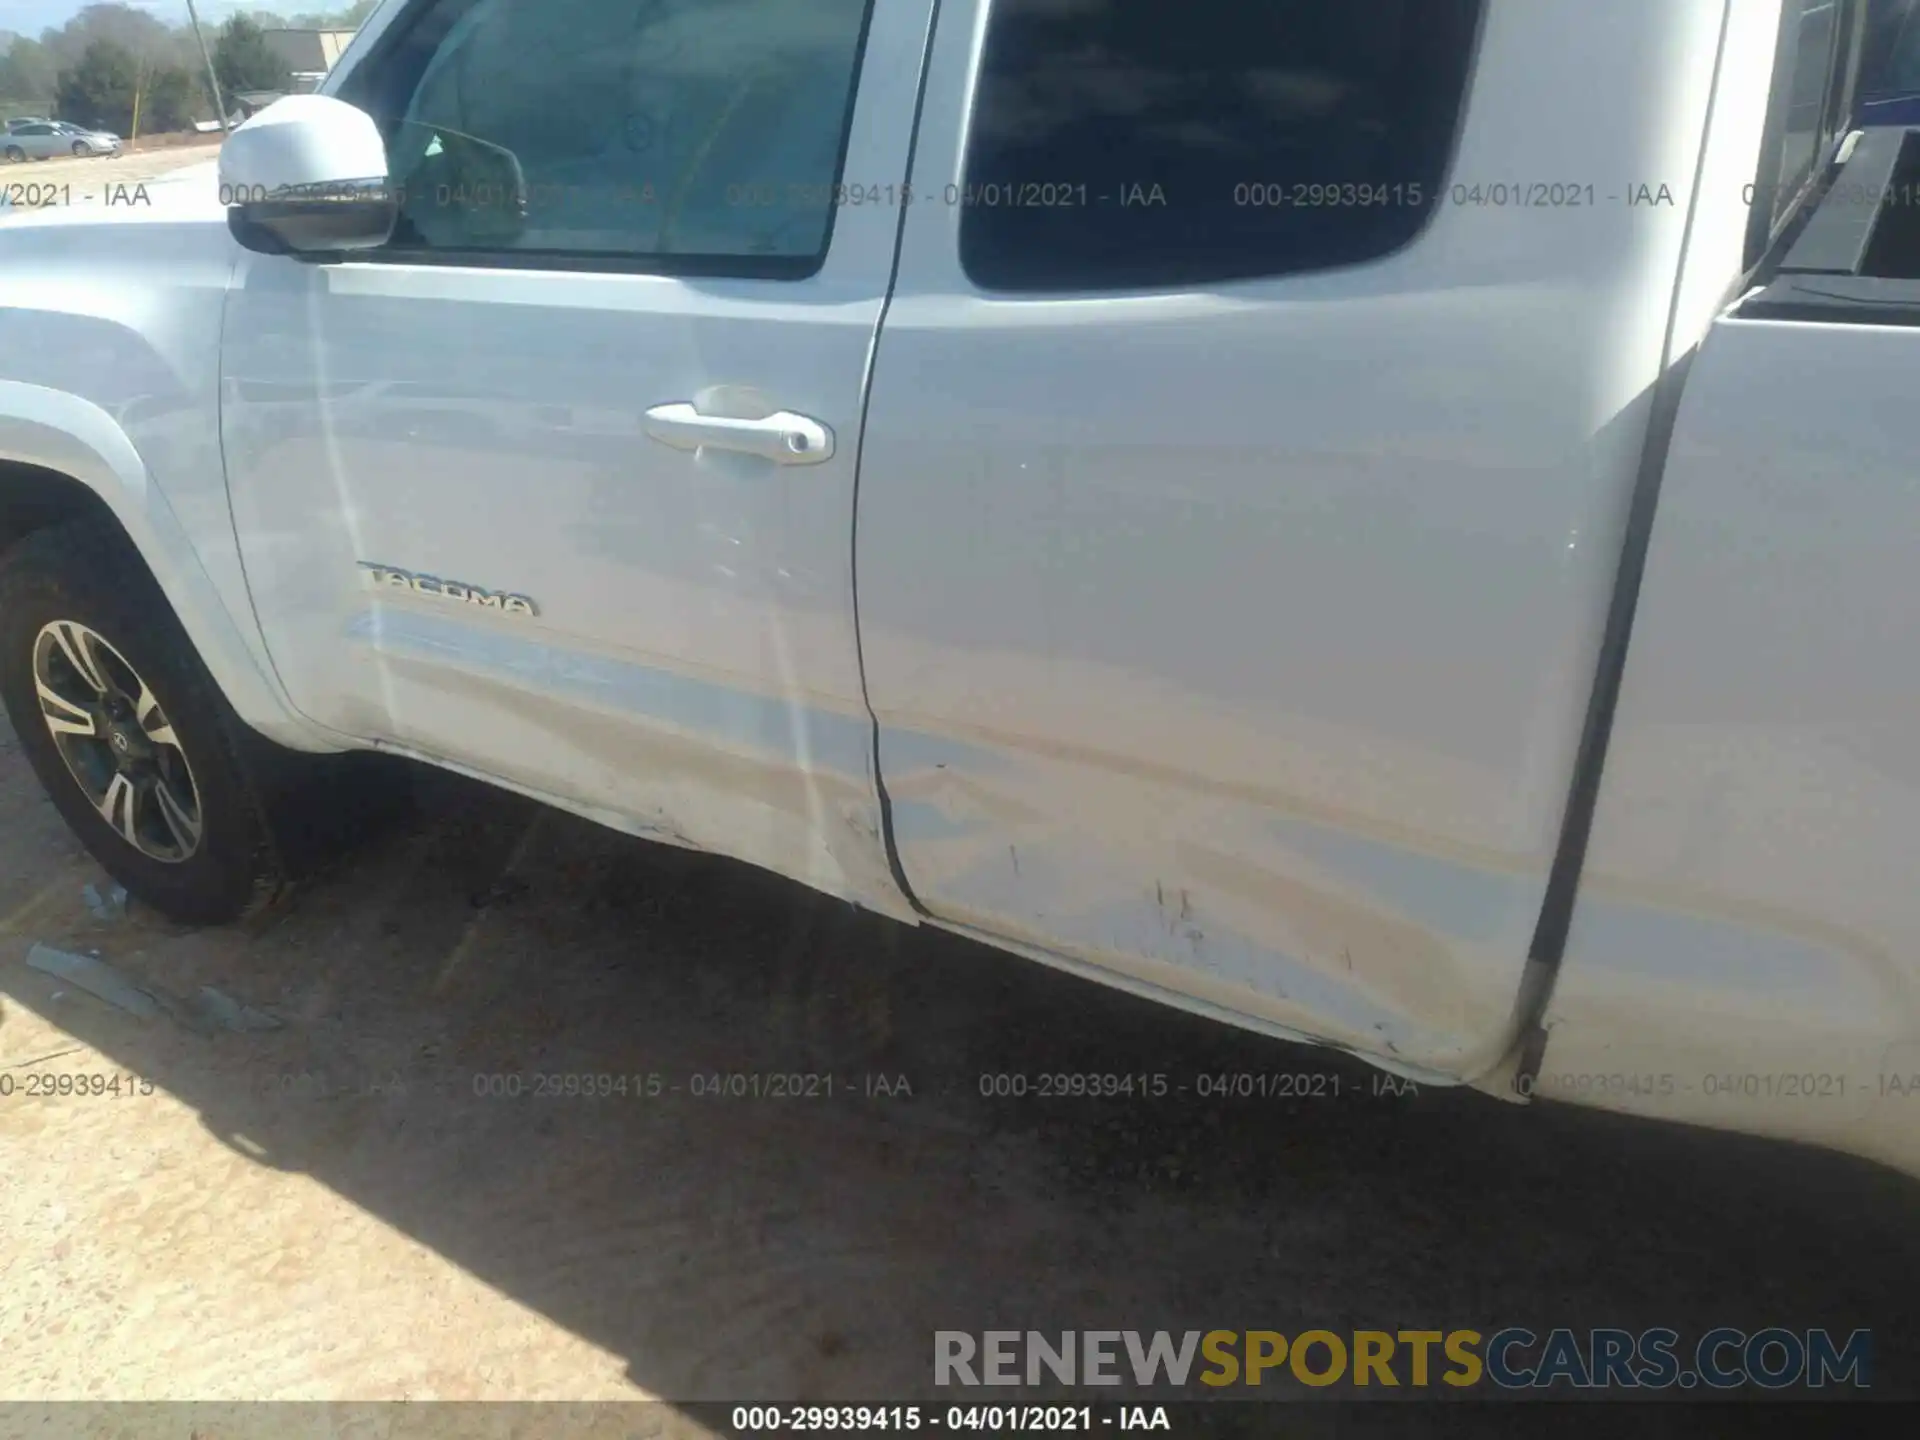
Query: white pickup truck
{"type": "Point", "coordinates": [1392, 524]}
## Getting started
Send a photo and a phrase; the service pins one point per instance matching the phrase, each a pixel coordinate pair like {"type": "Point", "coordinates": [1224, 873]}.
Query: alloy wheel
{"type": "Point", "coordinates": [117, 742]}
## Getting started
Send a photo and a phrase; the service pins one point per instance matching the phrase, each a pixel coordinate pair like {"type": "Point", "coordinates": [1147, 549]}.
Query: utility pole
{"type": "Point", "coordinates": [219, 104]}
{"type": "Point", "coordinates": [139, 89]}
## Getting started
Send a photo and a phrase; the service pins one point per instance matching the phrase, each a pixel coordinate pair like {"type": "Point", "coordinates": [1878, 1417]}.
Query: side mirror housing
{"type": "Point", "coordinates": [307, 175]}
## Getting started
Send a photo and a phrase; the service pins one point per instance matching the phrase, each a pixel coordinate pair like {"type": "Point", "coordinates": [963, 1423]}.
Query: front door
{"type": "Point", "coordinates": [558, 486]}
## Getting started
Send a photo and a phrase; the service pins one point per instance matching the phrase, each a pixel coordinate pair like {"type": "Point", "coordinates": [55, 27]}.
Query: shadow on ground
{"type": "Point", "coordinates": [732, 1247]}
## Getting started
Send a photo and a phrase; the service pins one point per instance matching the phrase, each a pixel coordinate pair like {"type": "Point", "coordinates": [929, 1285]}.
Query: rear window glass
{"type": "Point", "coordinates": [1120, 144]}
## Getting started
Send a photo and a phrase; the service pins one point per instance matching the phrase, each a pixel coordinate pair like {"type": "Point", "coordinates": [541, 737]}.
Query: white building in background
{"type": "Point", "coordinates": [309, 54]}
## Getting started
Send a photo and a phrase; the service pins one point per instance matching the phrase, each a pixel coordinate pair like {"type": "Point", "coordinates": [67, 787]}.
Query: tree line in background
{"type": "Point", "coordinates": [112, 60]}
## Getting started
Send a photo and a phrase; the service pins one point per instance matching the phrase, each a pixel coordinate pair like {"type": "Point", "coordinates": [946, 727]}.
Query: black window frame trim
{"type": "Point", "coordinates": [790, 268]}
{"type": "Point", "coordinates": [1767, 238]}
{"type": "Point", "coordinates": [1811, 270]}
{"type": "Point", "coordinates": [1818, 280]}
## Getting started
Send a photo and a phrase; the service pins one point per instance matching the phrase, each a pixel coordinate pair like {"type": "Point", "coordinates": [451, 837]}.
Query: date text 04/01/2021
{"type": "Point", "coordinates": [991, 1419]}
{"type": "Point", "coordinates": [1206, 1085]}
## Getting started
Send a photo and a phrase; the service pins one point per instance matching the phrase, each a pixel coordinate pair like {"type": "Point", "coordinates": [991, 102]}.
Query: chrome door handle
{"type": "Point", "coordinates": [784, 438]}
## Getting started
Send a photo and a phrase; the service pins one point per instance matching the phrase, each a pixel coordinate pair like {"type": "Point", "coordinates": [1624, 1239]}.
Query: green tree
{"type": "Point", "coordinates": [244, 60]}
{"type": "Point", "coordinates": [171, 101]}
{"type": "Point", "coordinates": [29, 78]}
{"type": "Point", "coordinates": [133, 30]}
{"type": "Point", "coordinates": [99, 88]}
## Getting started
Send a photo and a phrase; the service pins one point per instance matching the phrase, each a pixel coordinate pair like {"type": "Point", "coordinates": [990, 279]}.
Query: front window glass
{"type": "Point", "coordinates": [712, 129]}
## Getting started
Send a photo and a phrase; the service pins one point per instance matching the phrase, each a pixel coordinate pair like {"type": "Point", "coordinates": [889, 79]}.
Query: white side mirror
{"type": "Point", "coordinates": [308, 173]}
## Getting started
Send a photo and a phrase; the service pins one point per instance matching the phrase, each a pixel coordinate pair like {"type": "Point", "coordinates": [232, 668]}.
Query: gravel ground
{"type": "Point", "coordinates": [85, 182]}
{"type": "Point", "coordinates": [331, 1210]}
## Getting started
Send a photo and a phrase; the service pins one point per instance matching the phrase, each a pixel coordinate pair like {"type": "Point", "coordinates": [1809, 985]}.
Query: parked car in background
{"type": "Point", "coordinates": [46, 139]}
{"type": "Point", "coordinates": [19, 120]}
{"type": "Point", "coordinates": [82, 141]}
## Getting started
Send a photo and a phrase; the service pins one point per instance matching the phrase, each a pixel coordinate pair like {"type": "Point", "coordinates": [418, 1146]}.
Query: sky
{"type": "Point", "coordinates": [30, 17]}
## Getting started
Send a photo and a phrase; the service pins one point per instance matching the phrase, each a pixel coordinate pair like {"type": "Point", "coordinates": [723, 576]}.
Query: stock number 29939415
{"type": "Point", "coordinates": [992, 1419]}
{"type": "Point", "coordinates": [1053, 1085]}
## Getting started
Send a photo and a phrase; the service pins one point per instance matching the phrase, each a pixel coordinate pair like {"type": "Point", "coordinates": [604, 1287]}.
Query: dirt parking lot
{"type": "Point", "coordinates": [358, 1205]}
{"type": "Point", "coordinates": [85, 182]}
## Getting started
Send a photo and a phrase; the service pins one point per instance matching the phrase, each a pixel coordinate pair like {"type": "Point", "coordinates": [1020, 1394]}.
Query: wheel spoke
{"type": "Point", "coordinates": [147, 710]}
{"type": "Point", "coordinates": [63, 717]}
{"type": "Point", "coordinates": [185, 828]}
{"type": "Point", "coordinates": [152, 801]}
{"type": "Point", "coordinates": [119, 807]}
{"type": "Point", "coordinates": [73, 642]}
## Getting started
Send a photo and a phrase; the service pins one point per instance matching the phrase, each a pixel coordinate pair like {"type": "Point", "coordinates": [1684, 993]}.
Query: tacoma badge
{"type": "Point", "coordinates": [435, 588]}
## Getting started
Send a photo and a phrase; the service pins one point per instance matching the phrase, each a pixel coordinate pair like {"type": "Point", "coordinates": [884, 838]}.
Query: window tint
{"type": "Point", "coordinates": [1811, 90]}
{"type": "Point", "coordinates": [1119, 144]}
{"type": "Point", "coordinates": [698, 134]}
{"type": "Point", "coordinates": [1891, 65]}
{"type": "Point", "coordinates": [1811, 46]}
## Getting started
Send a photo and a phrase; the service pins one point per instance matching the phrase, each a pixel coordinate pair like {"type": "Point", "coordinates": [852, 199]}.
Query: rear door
{"type": "Point", "coordinates": [1251, 434]}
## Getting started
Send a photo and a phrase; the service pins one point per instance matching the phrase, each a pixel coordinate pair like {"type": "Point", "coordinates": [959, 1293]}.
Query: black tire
{"type": "Point", "coordinates": [87, 572]}
{"type": "Point", "coordinates": [15, 155]}
{"type": "Point", "coordinates": [81, 150]}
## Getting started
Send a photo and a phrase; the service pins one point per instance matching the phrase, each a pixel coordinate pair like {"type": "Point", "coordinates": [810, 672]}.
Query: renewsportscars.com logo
{"type": "Point", "coordinates": [1513, 1358]}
